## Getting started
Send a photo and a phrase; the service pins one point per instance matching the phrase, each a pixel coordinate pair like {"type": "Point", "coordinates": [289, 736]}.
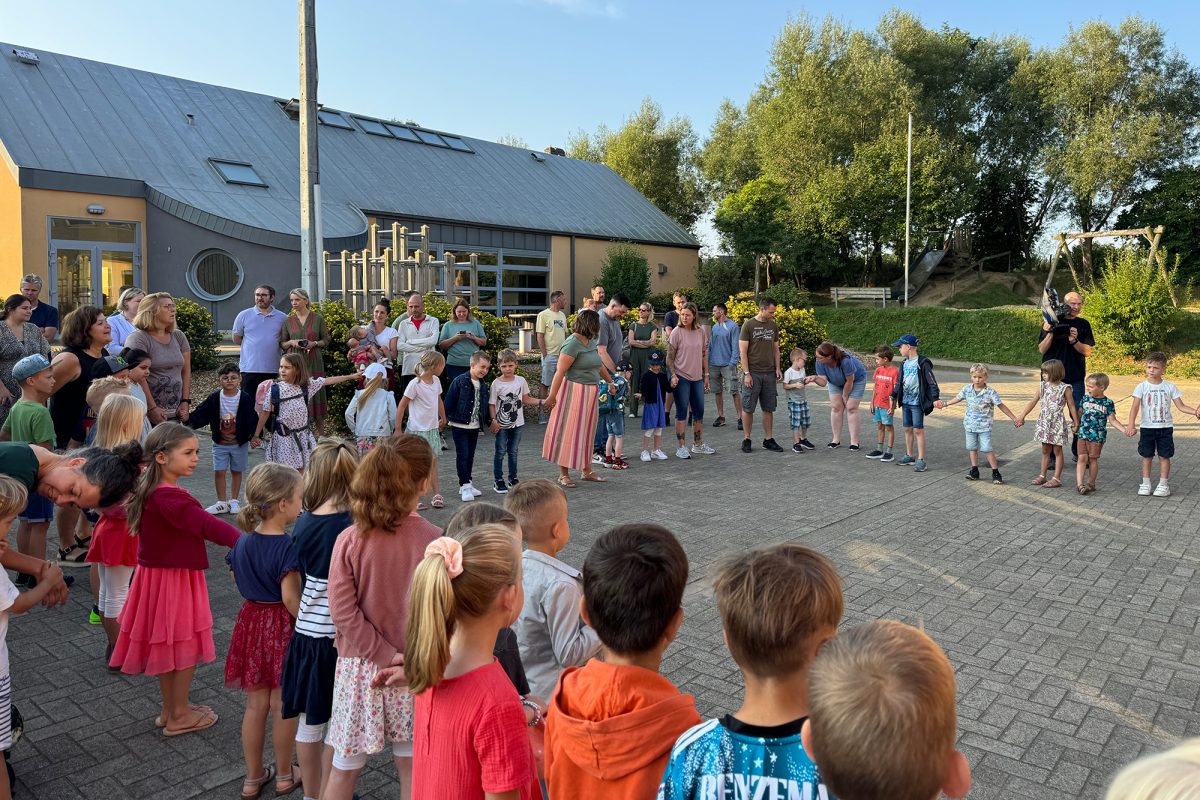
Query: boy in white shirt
{"type": "Point", "coordinates": [797, 401]}
{"type": "Point", "coordinates": [507, 399]}
{"type": "Point", "coordinates": [1154, 397]}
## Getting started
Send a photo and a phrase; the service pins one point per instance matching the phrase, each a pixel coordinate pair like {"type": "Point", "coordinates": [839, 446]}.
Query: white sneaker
{"type": "Point", "coordinates": [219, 507]}
{"type": "Point", "coordinates": [682, 453]}
{"type": "Point", "coordinates": [234, 507]}
{"type": "Point", "coordinates": [703, 449]}
{"type": "Point", "coordinates": [465, 493]}
{"type": "Point", "coordinates": [474, 492]}
{"type": "Point", "coordinates": [660, 455]}
{"type": "Point", "coordinates": [632, 415]}
{"type": "Point", "coordinates": [1162, 490]}
{"type": "Point", "coordinates": [597, 458]}
{"type": "Point", "coordinates": [645, 455]}
{"type": "Point", "coordinates": [1144, 489]}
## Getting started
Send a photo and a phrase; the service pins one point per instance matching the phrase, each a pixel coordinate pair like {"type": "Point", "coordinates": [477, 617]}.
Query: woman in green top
{"type": "Point", "coordinates": [572, 425]}
{"type": "Point", "coordinates": [643, 337]}
{"type": "Point", "coordinates": [460, 337]}
{"type": "Point", "coordinates": [306, 334]}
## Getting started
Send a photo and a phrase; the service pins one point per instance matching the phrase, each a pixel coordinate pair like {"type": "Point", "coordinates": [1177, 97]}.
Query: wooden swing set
{"type": "Point", "coordinates": [1151, 235]}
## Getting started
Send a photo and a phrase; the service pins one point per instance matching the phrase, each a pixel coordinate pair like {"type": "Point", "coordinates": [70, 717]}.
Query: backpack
{"type": "Point", "coordinates": [273, 423]}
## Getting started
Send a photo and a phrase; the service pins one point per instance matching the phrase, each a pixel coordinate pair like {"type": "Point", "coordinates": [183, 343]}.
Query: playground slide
{"type": "Point", "coordinates": [919, 274]}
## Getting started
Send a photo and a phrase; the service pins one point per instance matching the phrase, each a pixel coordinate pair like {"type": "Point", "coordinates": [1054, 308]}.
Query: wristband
{"type": "Point", "coordinates": [537, 712]}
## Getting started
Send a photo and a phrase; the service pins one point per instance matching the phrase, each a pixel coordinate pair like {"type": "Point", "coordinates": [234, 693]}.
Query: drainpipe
{"type": "Point", "coordinates": [572, 302]}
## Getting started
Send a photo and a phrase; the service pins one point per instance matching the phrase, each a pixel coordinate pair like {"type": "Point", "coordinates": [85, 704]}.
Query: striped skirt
{"type": "Point", "coordinates": [572, 426]}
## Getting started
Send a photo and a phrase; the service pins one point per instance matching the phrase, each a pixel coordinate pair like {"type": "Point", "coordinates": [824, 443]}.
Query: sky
{"type": "Point", "coordinates": [539, 70]}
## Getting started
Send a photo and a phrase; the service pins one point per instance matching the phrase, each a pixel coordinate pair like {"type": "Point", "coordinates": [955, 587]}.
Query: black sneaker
{"type": "Point", "coordinates": [747, 446]}
{"type": "Point", "coordinates": [500, 487]}
{"type": "Point", "coordinates": [512, 483]}
{"type": "Point", "coordinates": [887, 458]}
{"type": "Point", "coordinates": [739, 423]}
{"type": "Point", "coordinates": [834, 445]}
{"type": "Point", "coordinates": [772, 445]}
{"type": "Point", "coordinates": [719, 422]}
{"type": "Point", "coordinates": [807, 445]}
{"type": "Point", "coordinates": [796, 448]}
{"type": "Point", "coordinates": [875, 454]}
{"type": "Point", "coordinates": [997, 478]}
{"type": "Point", "coordinates": [973, 475]}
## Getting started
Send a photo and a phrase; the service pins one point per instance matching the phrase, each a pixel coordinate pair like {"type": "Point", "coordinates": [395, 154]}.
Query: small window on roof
{"type": "Point", "coordinates": [457, 144]}
{"type": "Point", "coordinates": [372, 126]}
{"type": "Point", "coordinates": [429, 137]}
{"type": "Point", "coordinates": [334, 119]}
{"type": "Point", "coordinates": [237, 172]}
{"type": "Point", "coordinates": [401, 132]}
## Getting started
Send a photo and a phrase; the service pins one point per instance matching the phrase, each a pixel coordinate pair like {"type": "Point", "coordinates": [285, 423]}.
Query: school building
{"type": "Point", "coordinates": [114, 176]}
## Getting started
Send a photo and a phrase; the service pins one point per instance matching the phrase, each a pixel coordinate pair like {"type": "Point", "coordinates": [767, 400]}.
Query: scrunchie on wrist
{"type": "Point", "coordinates": [451, 552]}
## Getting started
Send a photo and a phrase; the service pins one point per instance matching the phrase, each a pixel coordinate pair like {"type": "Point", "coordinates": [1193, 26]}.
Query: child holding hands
{"type": "Point", "coordinates": [422, 401]}
{"type": "Point", "coordinates": [1154, 398]}
{"type": "Point", "coordinates": [982, 402]}
{"type": "Point", "coordinates": [506, 399]}
{"type": "Point", "coordinates": [1055, 397]}
{"type": "Point", "coordinates": [1096, 413]}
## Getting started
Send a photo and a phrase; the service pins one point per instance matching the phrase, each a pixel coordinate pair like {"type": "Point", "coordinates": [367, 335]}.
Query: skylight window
{"type": "Point", "coordinates": [334, 119]}
{"type": "Point", "coordinates": [238, 172]}
{"type": "Point", "coordinates": [401, 132]}
{"type": "Point", "coordinates": [429, 137]}
{"type": "Point", "coordinates": [372, 126]}
{"type": "Point", "coordinates": [457, 144]}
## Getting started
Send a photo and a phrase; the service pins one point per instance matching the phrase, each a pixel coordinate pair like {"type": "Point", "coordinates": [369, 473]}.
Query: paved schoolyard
{"type": "Point", "coordinates": [1071, 621]}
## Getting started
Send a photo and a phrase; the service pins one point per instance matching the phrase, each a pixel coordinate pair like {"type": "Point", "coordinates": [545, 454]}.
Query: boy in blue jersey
{"type": "Point", "coordinates": [778, 606]}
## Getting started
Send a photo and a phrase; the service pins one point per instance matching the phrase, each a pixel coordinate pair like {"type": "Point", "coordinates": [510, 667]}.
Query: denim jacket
{"type": "Point", "coordinates": [460, 398]}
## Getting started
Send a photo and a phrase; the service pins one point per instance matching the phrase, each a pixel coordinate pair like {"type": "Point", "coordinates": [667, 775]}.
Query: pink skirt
{"type": "Point", "coordinates": [166, 624]}
{"type": "Point", "coordinates": [572, 426]}
{"type": "Point", "coordinates": [258, 647]}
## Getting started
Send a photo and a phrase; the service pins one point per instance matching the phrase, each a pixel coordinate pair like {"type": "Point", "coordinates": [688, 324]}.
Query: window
{"type": "Point", "coordinates": [457, 144]}
{"type": "Point", "coordinates": [334, 120]}
{"type": "Point", "coordinates": [401, 132]}
{"type": "Point", "coordinates": [215, 275]}
{"type": "Point", "coordinates": [429, 137]}
{"type": "Point", "coordinates": [372, 126]}
{"type": "Point", "coordinates": [238, 172]}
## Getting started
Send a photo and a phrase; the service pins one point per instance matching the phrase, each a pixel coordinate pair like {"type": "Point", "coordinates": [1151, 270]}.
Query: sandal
{"type": "Point", "coordinates": [1053, 483]}
{"type": "Point", "coordinates": [566, 482]}
{"type": "Point", "coordinates": [289, 784]}
{"type": "Point", "coordinates": [1091, 487]}
{"type": "Point", "coordinates": [1039, 480]}
{"type": "Point", "coordinates": [594, 478]}
{"type": "Point", "coordinates": [1083, 489]}
{"type": "Point", "coordinates": [422, 506]}
{"type": "Point", "coordinates": [439, 501]}
{"type": "Point", "coordinates": [206, 720]}
{"type": "Point", "coordinates": [252, 787]}
{"type": "Point", "coordinates": [159, 722]}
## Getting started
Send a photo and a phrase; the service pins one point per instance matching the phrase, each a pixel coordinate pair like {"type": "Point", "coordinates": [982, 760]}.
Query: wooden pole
{"type": "Point", "coordinates": [1154, 241]}
{"type": "Point", "coordinates": [310, 164]}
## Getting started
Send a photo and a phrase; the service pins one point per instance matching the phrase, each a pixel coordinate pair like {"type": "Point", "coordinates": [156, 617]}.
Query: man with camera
{"type": "Point", "coordinates": [1069, 340]}
{"type": "Point", "coordinates": [257, 331]}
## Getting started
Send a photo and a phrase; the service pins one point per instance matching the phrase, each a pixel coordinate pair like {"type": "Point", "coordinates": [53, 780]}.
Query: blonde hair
{"type": "Point", "coordinates": [103, 388]}
{"type": "Point", "coordinates": [388, 482]}
{"type": "Point", "coordinates": [429, 360]}
{"type": "Point", "coordinates": [143, 320]}
{"type": "Point", "coordinates": [371, 387]}
{"type": "Point", "coordinates": [881, 709]}
{"type": "Point", "coordinates": [13, 497]}
{"type": "Point", "coordinates": [165, 438]}
{"type": "Point", "coordinates": [529, 501]}
{"type": "Point", "coordinates": [267, 485]}
{"type": "Point", "coordinates": [979, 369]}
{"type": "Point", "coordinates": [490, 562]}
{"type": "Point", "coordinates": [121, 418]}
{"type": "Point", "coordinates": [127, 295]}
{"type": "Point", "coordinates": [330, 471]}
{"type": "Point", "coordinates": [300, 365]}
{"type": "Point", "coordinates": [477, 514]}
{"type": "Point", "coordinates": [1054, 370]}
{"type": "Point", "coordinates": [1171, 775]}
{"type": "Point", "coordinates": [1098, 378]}
{"type": "Point", "coordinates": [773, 602]}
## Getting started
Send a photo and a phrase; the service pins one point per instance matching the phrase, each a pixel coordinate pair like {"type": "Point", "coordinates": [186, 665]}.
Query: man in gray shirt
{"type": "Point", "coordinates": [611, 346]}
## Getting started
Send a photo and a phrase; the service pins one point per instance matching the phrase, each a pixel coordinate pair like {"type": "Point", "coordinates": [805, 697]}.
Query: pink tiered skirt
{"type": "Point", "coordinates": [166, 624]}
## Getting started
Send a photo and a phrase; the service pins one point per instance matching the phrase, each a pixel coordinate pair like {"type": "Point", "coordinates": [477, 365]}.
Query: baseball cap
{"type": "Point", "coordinates": [375, 370]}
{"type": "Point", "coordinates": [909, 339]}
{"type": "Point", "coordinates": [656, 357]}
{"type": "Point", "coordinates": [624, 366]}
{"type": "Point", "coordinates": [29, 366]}
{"type": "Point", "coordinates": [109, 365]}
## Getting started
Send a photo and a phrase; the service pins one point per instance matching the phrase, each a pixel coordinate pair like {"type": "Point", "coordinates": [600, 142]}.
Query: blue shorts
{"type": "Point", "coordinates": [37, 509]}
{"type": "Point", "coordinates": [232, 457]}
{"type": "Point", "coordinates": [883, 416]}
{"type": "Point", "coordinates": [613, 422]}
{"type": "Point", "coordinates": [981, 441]}
{"type": "Point", "coordinates": [856, 391]}
{"type": "Point", "coordinates": [798, 414]}
{"type": "Point", "coordinates": [914, 417]}
{"type": "Point", "coordinates": [1156, 440]}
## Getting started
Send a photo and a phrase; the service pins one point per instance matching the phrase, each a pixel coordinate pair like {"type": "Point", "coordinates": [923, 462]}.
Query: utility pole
{"type": "Point", "coordinates": [310, 162]}
{"type": "Point", "coordinates": [907, 207]}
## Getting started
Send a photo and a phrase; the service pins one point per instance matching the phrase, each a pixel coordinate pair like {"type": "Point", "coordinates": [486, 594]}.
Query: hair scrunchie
{"type": "Point", "coordinates": [451, 552]}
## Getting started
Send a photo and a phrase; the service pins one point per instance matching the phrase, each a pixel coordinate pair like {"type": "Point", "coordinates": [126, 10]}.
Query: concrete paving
{"type": "Point", "coordinates": [1071, 621]}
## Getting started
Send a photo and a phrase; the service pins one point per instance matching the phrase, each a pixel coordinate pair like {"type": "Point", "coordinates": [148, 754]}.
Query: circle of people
{"type": "Point", "coordinates": [472, 656]}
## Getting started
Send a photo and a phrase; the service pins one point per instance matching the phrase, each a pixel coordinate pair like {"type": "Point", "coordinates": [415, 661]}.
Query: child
{"type": "Point", "coordinates": [426, 413]}
{"type": "Point", "coordinates": [230, 415]}
{"type": "Point", "coordinates": [267, 571]}
{"type": "Point", "coordinates": [1096, 413]}
{"type": "Point", "coordinates": [797, 400]}
{"type": "Point", "coordinates": [916, 391]}
{"type": "Point", "coordinates": [550, 633]}
{"type": "Point", "coordinates": [13, 498]}
{"type": "Point", "coordinates": [882, 719]}
{"type": "Point", "coordinates": [612, 414]}
{"type": "Point", "coordinates": [619, 712]}
{"type": "Point", "coordinates": [883, 406]}
{"type": "Point", "coordinates": [1055, 397]}
{"type": "Point", "coordinates": [308, 669]}
{"type": "Point", "coordinates": [292, 439]}
{"type": "Point", "coordinates": [1168, 775]}
{"type": "Point", "coordinates": [166, 624]}
{"type": "Point", "coordinates": [371, 413]}
{"type": "Point", "coordinates": [655, 391]}
{"type": "Point", "coordinates": [369, 575]}
{"type": "Point", "coordinates": [467, 413]}
{"type": "Point", "coordinates": [779, 606]}
{"type": "Point", "coordinates": [506, 402]}
{"type": "Point", "coordinates": [139, 371]}
{"type": "Point", "coordinates": [982, 402]}
{"type": "Point", "coordinates": [1154, 397]}
{"type": "Point", "coordinates": [98, 391]}
{"type": "Point", "coordinates": [470, 734]}
{"type": "Point", "coordinates": [29, 421]}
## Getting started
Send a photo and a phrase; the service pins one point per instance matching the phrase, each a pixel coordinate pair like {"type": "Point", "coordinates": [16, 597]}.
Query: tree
{"type": "Point", "coordinates": [753, 221]}
{"type": "Point", "coordinates": [512, 140]}
{"type": "Point", "coordinates": [657, 157]}
{"type": "Point", "coordinates": [625, 270]}
{"type": "Point", "coordinates": [729, 160]}
{"type": "Point", "coordinates": [1173, 201]}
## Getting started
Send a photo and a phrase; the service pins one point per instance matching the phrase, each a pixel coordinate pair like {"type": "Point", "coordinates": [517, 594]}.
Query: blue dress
{"type": "Point", "coordinates": [654, 392]}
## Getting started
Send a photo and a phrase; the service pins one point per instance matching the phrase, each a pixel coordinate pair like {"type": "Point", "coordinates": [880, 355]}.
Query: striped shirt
{"type": "Point", "coordinates": [315, 535]}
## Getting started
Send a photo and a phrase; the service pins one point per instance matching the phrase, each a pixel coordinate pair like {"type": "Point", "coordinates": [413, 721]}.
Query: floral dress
{"type": "Point", "coordinates": [315, 330]}
{"type": "Point", "coordinates": [1051, 424]}
{"type": "Point", "coordinates": [292, 442]}
{"type": "Point", "coordinates": [13, 350]}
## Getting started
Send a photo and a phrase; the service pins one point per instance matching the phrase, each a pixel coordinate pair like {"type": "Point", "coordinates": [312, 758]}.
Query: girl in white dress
{"type": "Point", "coordinates": [292, 440]}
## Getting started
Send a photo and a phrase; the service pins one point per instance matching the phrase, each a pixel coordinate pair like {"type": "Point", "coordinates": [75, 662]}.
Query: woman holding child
{"type": "Point", "coordinates": [572, 426]}
{"type": "Point", "coordinates": [844, 375]}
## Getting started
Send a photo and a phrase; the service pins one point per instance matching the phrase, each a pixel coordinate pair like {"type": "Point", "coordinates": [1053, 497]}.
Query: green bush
{"type": "Point", "coordinates": [1131, 305]}
{"type": "Point", "coordinates": [339, 319]}
{"type": "Point", "coordinates": [798, 327]}
{"type": "Point", "coordinates": [717, 278]}
{"type": "Point", "coordinates": [625, 270]}
{"type": "Point", "coordinates": [790, 295]}
{"type": "Point", "coordinates": [201, 332]}
{"type": "Point", "coordinates": [661, 302]}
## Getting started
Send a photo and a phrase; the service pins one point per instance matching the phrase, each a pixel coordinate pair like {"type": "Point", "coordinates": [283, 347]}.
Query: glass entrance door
{"type": "Point", "coordinates": [74, 285]}
{"type": "Point", "coordinates": [91, 261]}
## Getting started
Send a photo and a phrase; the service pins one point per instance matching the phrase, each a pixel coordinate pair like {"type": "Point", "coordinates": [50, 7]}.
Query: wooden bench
{"type": "Point", "coordinates": [880, 293]}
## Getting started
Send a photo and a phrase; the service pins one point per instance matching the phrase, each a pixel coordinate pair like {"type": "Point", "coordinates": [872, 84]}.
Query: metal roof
{"type": "Point", "coordinates": [73, 124]}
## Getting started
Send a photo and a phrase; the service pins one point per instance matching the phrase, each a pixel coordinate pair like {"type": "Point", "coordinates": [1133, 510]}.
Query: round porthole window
{"type": "Point", "coordinates": [215, 275]}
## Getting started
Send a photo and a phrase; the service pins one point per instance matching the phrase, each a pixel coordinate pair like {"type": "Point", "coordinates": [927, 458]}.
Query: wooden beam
{"type": "Point", "coordinates": [1101, 234]}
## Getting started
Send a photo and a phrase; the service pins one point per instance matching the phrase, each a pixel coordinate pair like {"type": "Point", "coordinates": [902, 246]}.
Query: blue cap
{"type": "Point", "coordinates": [29, 366]}
{"type": "Point", "coordinates": [656, 357]}
{"type": "Point", "coordinates": [909, 339]}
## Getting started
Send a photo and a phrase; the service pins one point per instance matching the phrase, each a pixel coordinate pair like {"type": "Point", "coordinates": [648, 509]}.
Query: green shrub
{"type": "Point", "coordinates": [790, 295]}
{"type": "Point", "coordinates": [339, 319]}
{"type": "Point", "coordinates": [798, 327]}
{"type": "Point", "coordinates": [717, 278]}
{"type": "Point", "coordinates": [661, 302]}
{"type": "Point", "coordinates": [201, 332]}
{"type": "Point", "coordinates": [1131, 305]}
{"type": "Point", "coordinates": [625, 270]}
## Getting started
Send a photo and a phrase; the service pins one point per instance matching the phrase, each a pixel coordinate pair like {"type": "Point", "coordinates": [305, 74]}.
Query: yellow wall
{"type": "Point", "coordinates": [37, 205]}
{"type": "Point", "coordinates": [10, 229]}
{"type": "Point", "coordinates": [589, 255]}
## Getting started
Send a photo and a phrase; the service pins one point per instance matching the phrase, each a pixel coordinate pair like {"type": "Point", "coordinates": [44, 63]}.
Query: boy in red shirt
{"type": "Point", "coordinates": [882, 407]}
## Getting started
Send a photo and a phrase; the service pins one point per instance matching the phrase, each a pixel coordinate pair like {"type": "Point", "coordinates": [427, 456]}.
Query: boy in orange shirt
{"type": "Point", "coordinates": [885, 379]}
{"type": "Point", "coordinates": [611, 724]}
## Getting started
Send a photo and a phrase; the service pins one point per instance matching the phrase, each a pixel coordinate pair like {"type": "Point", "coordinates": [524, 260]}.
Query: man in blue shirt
{"type": "Point", "coordinates": [257, 331]}
{"type": "Point", "coordinates": [44, 315]}
{"type": "Point", "coordinates": [723, 359]}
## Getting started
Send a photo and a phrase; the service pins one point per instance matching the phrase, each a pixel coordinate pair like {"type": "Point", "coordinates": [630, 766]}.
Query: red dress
{"type": "Point", "coordinates": [112, 543]}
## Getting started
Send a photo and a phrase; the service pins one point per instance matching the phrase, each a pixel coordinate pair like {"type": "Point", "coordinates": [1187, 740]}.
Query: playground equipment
{"type": "Point", "coordinates": [1152, 235]}
{"type": "Point", "coordinates": [390, 266]}
{"type": "Point", "coordinates": [954, 259]}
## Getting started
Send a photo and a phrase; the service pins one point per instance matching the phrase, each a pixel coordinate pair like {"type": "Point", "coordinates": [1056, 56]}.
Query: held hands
{"type": "Point", "coordinates": [494, 427]}
{"type": "Point", "coordinates": [548, 403]}
{"type": "Point", "coordinates": [939, 403]}
{"type": "Point", "coordinates": [391, 675]}
{"type": "Point", "coordinates": [1018, 422]}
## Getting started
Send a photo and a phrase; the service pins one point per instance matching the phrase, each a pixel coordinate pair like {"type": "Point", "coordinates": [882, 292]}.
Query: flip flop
{"type": "Point", "coordinates": [253, 787]}
{"type": "Point", "coordinates": [594, 478]}
{"type": "Point", "coordinates": [207, 720]}
{"type": "Point", "coordinates": [159, 722]}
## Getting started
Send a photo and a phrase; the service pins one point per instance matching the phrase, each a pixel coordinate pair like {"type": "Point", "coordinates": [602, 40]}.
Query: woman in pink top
{"type": "Point", "coordinates": [687, 359]}
{"type": "Point", "coordinates": [372, 564]}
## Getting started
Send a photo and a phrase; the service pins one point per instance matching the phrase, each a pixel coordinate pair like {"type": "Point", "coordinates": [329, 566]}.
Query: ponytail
{"type": "Point", "coordinates": [267, 485]}
{"type": "Point", "coordinates": [370, 389]}
{"type": "Point", "coordinates": [429, 360]}
{"type": "Point", "coordinates": [163, 439]}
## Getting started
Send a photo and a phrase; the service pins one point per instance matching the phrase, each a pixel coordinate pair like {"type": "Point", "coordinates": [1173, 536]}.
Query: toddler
{"type": "Point", "coordinates": [1096, 413]}
{"type": "Point", "coordinates": [982, 402]}
{"type": "Point", "coordinates": [506, 401]}
{"type": "Point", "coordinates": [797, 401]}
{"type": "Point", "coordinates": [883, 407]}
{"type": "Point", "coordinates": [655, 389]}
{"type": "Point", "coordinates": [1154, 397]}
{"type": "Point", "coordinates": [612, 414]}
{"type": "Point", "coordinates": [1055, 397]}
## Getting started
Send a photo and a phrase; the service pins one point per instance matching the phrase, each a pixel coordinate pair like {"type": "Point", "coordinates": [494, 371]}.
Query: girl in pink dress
{"type": "Point", "coordinates": [166, 624]}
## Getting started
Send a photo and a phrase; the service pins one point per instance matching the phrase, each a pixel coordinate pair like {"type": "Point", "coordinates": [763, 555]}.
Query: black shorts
{"type": "Point", "coordinates": [1156, 440]}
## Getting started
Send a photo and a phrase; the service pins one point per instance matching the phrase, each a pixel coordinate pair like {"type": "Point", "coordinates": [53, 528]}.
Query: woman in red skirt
{"type": "Point", "coordinates": [267, 570]}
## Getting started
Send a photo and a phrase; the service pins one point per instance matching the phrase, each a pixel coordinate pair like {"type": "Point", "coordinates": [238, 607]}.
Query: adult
{"type": "Point", "coordinates": [843, 374]}
{"type": "Point", "coordinates": [1071, 343]}
{"type": "Point", "coordinates": [256, 330]}
{"type": "Point", "coordinates": [416, 334]}
{"type": "Point", "coordinates": [758, 350]}
{"type": "Point", "coordinates": [643, 338]}
{"type": "Point", "coordinates": [305, 333]}
{"type": "Point", "coordinates": [671, 318]}
{"type": "Point", "coordinates": [121, 320]}
{"type": "Point", "coordinates": [597, 297]}
{"type": "Point", "coordinates": [551, 331]}
{"type": "Point", "coordinates": [461, 336]}
{"type": "Point", "coordinates": [573, 421]}
{"type": "Point", "coordinates": [722, 360]}
{"type": "Point", "coordinates": [18, 338]}
{"type": "Point", "coordinates": [168, 387]}
{"type": "Point", "coordinates": [377, 336]}
{"type": "Point", "coordinates": [687, 359]}
{"type": "Point", "coordinates": [44, 315]}
{"type": "Point", "coordinates": [612, 346]}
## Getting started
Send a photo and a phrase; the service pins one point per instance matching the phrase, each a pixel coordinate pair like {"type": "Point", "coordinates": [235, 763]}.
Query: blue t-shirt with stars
{"type": "Point", "coordinates": [727, 759]}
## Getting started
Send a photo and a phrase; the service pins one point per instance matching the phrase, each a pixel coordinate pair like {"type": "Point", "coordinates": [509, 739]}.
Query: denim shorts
{"type": "Point", "coordinates": [1156, 440]}
{"type": "Point", "coordinates": [549, 367]}
{"type": "Point", "coordinates": [883, 416]}
{"type": "Point", "coordinates": [613, 422]}
{"type": "Point", "coordinates": [914, 417]}
{"type": "Point", "coordinates": [37, 509]}
{"type": "Point", "coordinates": [981, 441]}
{"type": "Point", "coordinates": [232, 457]}
{"type": "Point", "coordinates": [689, 399]}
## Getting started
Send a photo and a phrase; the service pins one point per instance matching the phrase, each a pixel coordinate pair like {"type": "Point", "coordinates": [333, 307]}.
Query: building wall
{"type": "Point", "coordinates": [11, 258]}
{"type": "Point", "coordinates": [38, 205]}
{"type": "Point", "coordinates": [681, 263]}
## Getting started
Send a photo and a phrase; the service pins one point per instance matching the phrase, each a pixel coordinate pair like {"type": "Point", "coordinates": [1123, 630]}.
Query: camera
{"type": "Point", "coordinates": [304, 344]}
{"type": "Point", "coordinates": [1055, 311]}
